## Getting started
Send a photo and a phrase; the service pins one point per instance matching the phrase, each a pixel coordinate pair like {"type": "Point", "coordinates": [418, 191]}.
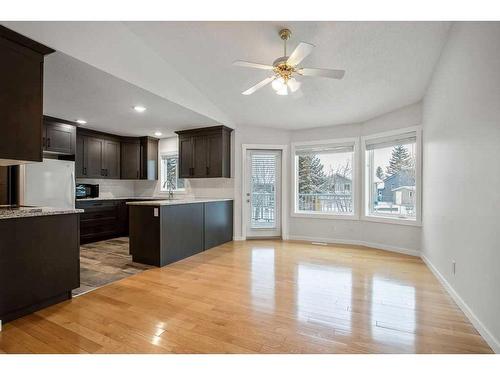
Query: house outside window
{"type": "Point", "coordinates": [323, 178]}
{"type": "Point", "coordinates": [169, 173]}
{"type": "Point", "coordinates": [392, 176]}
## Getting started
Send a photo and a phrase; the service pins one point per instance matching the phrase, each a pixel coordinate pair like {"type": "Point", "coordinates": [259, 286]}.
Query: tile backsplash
{"type": "Point", "coordinates": [111, 188]}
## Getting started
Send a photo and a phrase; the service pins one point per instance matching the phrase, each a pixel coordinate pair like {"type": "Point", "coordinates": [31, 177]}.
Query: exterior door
{"type": "Point", "coordinates": [263, 193]}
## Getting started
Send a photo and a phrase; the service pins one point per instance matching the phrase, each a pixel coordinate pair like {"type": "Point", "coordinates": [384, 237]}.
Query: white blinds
{"type": "Point", "coordinates": [324, 148]}
{"type": "Point", "coordinates": [399, 139]}
{"type": "Point", "coordinates": [263, 168]}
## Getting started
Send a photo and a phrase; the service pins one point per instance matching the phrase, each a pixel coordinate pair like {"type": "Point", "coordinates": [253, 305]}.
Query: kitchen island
{"type": "Point", "coordinates": [39, 258]}
{"type": "Point", "coordinates": [165, 231]}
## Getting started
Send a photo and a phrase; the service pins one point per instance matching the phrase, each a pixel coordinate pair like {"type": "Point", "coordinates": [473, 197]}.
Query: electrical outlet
{"type": "Point", "coordinates": [453, 267]}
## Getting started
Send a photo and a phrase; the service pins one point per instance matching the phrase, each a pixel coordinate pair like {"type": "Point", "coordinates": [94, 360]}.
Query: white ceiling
{"type": "Point", "coordinates": [388, 65]}
{"type": "Point", "coordinates": [75, 90]}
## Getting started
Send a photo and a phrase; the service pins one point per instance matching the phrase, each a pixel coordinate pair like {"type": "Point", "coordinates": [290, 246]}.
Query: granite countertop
{"type": "Point", "coordinates": [169, 202]}
{"type": "Point", "coordinates": [118, 198]}
{"type": "Point", "coordinates": [20, 212]}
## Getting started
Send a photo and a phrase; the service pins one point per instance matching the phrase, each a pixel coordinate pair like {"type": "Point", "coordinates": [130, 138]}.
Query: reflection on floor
{"type": "Point", "coordinates": [103, 262]}
{"type": "Point", "coordinates": [259, 297]}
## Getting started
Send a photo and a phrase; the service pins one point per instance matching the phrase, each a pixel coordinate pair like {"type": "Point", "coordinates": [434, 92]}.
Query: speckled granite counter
{"type": "Point", "coordinates": [19, 212]}
{"type": "Point", "coordinates": [175, 201]}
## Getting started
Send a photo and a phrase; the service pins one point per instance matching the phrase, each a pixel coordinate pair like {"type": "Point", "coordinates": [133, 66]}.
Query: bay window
{"type": "Point", "coordinates": [324, 178]}
{"type": "Point", "coordinates": [392, 174]}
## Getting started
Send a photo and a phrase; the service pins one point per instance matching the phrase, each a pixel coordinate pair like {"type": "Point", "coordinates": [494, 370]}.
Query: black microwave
{"type": "Point", "coordinates": [86, 191]}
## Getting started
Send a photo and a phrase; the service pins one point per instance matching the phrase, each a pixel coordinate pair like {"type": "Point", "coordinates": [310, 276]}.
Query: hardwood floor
{"type": "Point", "coordinates": [259, 297]}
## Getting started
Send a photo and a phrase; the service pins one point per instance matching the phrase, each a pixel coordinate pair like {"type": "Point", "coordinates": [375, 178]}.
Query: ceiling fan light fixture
{"type": "Point", "coordinates": [278, 84]}
{"type": "Point", "coordinates": [283, 90]}
{"type": "Point", "coordinates": [293, 84]}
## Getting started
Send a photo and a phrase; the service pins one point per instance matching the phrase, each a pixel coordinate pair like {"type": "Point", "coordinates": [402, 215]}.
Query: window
{"type": "Point", "coordinates": [324, 178]}
{"type": "Point", "coordinates": [169, 173]}
{"type": "Point", "coordinates": [391, 176]}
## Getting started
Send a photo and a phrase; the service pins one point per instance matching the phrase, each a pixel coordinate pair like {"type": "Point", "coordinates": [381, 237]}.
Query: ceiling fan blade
{"type": "Point", "coordinates": [259, 85]}
{"type": "Point", "coordinates": [248, 64]}
{"type": "Point", "coordinates": [317, 72]}
{"type": "Point", "coordinates": [300, 53]}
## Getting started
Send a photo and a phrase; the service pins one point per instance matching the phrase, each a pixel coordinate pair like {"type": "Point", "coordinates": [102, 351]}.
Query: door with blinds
{"type": "Point", "coordinates": [263, 193]}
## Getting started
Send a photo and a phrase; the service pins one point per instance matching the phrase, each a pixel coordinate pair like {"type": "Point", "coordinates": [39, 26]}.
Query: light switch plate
{"type": "Point", "coordinates": [155, 212]}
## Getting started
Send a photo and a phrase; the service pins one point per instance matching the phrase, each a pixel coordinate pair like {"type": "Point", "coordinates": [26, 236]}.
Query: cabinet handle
{"type": "Point", "coordinates": [208, 170]}
{"type": "Point", "coordinates": [137, 174]}
{"type": "Point", "coordinates": [102, 172]}
{"type": "Point", "coordinates": [48, 142]}
{"type": "Point", "coordinates": [85, 170]}
{"type": "Point", "coordinates": [43, 142]}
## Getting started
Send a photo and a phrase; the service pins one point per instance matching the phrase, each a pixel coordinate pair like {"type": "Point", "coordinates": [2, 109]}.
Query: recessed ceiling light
{"type": "Point", "coordinates": [81, 122]}
{"type": "Point", "coordinates": [157, 134]}
{"type": "Point", "coordinates": [139, 108]}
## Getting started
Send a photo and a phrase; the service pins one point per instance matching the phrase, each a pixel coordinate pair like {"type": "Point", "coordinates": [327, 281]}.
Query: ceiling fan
{"type": "Point", "coordinates": [285, 69]}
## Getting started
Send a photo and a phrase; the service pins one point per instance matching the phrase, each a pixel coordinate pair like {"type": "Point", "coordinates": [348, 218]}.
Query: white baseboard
{"type": "Point", "coordinates": [394, 249]}
{"type": "Point", "coordinates": [481, 328]}
{"type": "Point", "coordinates": [238, 238]}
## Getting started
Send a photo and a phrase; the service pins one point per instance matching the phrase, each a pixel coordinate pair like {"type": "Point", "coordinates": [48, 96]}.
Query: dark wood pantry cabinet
{"type": "Point", "coordinates": [21, 98]}
{"type": "Point", "coordinates": [205, 152]}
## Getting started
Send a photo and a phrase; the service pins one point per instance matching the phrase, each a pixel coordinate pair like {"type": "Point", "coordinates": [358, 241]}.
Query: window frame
{"type": "Point", "coordinates": [365, 211]}
{"type": "Point", "coordinates": [355, 185]}
{"type": "Point", "coordinates": [167, 155]}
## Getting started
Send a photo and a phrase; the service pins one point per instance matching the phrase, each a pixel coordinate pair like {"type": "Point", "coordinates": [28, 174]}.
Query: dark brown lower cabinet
{"type": "Point", "coordinates": [160, 235]}
{"type": "Point", "coordinates": [102, 220]}
{"type": "Point", "coordinates": [39, 263]}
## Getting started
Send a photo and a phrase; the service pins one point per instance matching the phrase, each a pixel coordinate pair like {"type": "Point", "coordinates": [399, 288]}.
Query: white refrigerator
{"type": "Point", "coordinates": [50, 183]}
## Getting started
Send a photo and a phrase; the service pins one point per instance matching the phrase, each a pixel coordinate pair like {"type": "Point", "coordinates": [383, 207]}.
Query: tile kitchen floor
{"type": "Point", "coordinates": [104, 262]}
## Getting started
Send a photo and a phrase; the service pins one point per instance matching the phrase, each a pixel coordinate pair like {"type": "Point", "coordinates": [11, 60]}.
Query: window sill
{"type": "Point", "coordinates": [319, 215]}
{"type": "Point", "coordinates": [390, 220]}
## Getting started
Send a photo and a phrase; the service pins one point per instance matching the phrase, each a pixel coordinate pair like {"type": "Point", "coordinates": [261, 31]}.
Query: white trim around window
{"type": "Point", "coordinates": [418, 177]}
{"type": "Point", "coordinates": [355, 185]}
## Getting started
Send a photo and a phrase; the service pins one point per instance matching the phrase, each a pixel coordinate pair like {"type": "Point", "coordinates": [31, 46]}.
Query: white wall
{"type": "Point", "coordinates": [401, 238]}
{"type": "Point", "coordinates": [386, 236]}
{"type": "Point", "coordinates": [461, 210]}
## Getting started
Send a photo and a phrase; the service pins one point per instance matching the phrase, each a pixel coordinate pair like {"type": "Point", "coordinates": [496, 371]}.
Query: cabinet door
{"type": "Point", "coordinates": [80, 167]}
{"type": "Point", "coordinates": [130, 160]}
{"type": "Point", "coordinates": [111, 159]}
{"type": "Point", "coordinates": [93, 156]}
{"type": "Point", "coordinates": [200, 157]}
{"type": "Point", "coordinates": [21, 78]}
{"type": "Point", "coordinates": [60, 138]}
{"type": "Point", "coordinates": [214, 156]}
{"type": "Point", "coordinates": [185, 157]}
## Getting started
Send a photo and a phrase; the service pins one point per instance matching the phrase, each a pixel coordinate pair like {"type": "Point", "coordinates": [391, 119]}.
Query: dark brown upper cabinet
{"type": "Point", "coordinates": [103, 155]}
{"type": "Point", "coordinates": [58, 136]}
{"type": "Point", "coordinates": [131, 159]}
{"type": "Point", "coordinates": [149, 158]}
{"type": "Point", "coordinates": [205, 152]}
{"type": "Point", "coordinates": [97, 155]}
{"type": "Point", "coordinates": [21, 98]}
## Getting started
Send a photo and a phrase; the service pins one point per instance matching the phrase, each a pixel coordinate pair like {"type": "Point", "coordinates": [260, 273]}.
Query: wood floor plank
{"type": "Point", "coordinates": [263, 296]}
